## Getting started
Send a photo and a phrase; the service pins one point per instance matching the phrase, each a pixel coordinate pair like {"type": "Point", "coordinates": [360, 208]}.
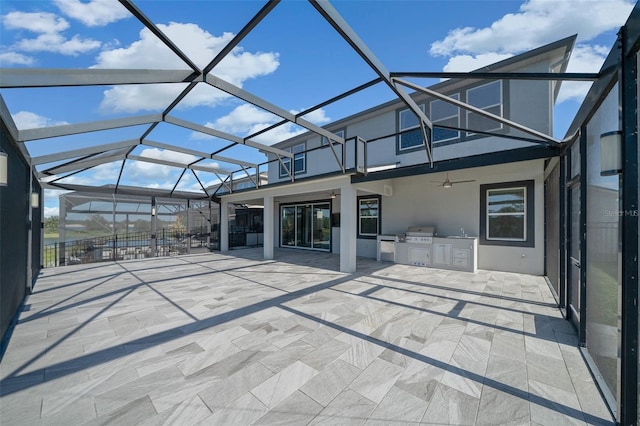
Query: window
{"type": "Point", "coordinates": [410, 135]}
{"type": "Point", "coordinates": [507, 214]}
{"type": "Point", "coordinates": [368, 216]}
{"type": "Point", "coordinates": [489, 98]}
{"type": "Point", "coordinates": [299, 161]}
{"type": "Point", "coordinates": [325, 141]}
{"type": "Point", "coordinates": [445, 114]}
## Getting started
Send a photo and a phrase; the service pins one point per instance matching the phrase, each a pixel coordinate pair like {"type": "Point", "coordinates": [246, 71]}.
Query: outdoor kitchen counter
{"type": "Point", "coordinates": [457, 253]}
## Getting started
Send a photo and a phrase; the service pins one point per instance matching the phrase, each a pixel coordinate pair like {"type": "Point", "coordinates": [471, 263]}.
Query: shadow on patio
{"type": "Point", "coordinates": [234, 339]}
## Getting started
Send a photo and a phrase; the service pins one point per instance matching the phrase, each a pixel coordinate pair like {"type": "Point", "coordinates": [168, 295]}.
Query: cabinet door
{"type": "Point", "coordinates": [419, 256]}
{"type": "Point", "coordinates": [442, 254]}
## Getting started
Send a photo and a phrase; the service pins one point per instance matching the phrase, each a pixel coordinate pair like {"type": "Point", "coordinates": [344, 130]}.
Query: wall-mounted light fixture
{"type": "Point", "coordinates": [153, 210]}
{"type": "Point", "coordinates": [611, 153]}
{"type": "Point", "coordinates": [35, 200]}
{"type": "Point", "coordinates": [3, 169]}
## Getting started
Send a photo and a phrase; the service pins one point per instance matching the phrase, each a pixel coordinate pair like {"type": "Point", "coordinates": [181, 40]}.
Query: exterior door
{"type": "Point", "coordinates": [306, 226]}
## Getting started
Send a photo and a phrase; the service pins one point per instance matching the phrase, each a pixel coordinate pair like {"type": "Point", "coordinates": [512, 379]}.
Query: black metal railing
{"type": "Point", "coordinates": [132, 245]}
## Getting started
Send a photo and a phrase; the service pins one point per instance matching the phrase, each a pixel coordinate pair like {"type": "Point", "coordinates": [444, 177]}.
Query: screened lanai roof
{"type": "Point", "coordinates": [164, 108]}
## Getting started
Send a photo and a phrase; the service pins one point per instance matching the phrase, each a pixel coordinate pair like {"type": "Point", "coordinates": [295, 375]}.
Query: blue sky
{"type": "Point", "coordinates": [293, 59]}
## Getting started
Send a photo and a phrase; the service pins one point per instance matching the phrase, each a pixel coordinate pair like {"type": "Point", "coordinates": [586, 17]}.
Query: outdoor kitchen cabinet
{"type": "Point", "coordinates": [442, 254]}
{"type": "Point", "coordinates": [458, 253]}
{"type": "Point", "coordinates": [455, 253]}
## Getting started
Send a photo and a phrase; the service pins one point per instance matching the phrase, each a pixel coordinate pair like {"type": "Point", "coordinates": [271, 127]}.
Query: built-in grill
{"type": "Point", "coordinates": [414, 246]}
{"type": "Point", "coordinates": [420, 234]}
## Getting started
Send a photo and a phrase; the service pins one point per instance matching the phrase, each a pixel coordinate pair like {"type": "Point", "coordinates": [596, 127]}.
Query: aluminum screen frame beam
{"type": "Point", "coordinates": [222, 135]}
{"type": "Point", "coordinates": [320, 105]}
{"type": "Point", "coordinates": [189, 151]}
{"type": "Point", "coordinates": [133, 9]}
{"type": "Point", "coordinates": [28, 135]}
{"type": "Point", "coordinates": [75, 153]}
{"type": "Point", "coordinates": [332, 16]}
{"type": "Point", "coordinates": [568, 76]}
{"type": "Point", "coordinates": [257, 18]}
{"type": "Point", "coordinates": [85, 163]}
{"type": "Point", "coordinates": [11, 78]}
{"type": "Point", "coordinates": [240, 93]}
{"type": "Point", "coordinates": [178, 165]}
{"type": "Point", "coordinates": [127, 190]}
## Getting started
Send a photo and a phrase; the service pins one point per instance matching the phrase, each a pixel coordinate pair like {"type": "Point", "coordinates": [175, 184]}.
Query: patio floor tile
{"type": "Point", "coordinates": [232, 339]}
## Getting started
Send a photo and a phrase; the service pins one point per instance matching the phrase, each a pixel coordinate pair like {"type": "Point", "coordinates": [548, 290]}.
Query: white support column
{"type": "Point", "coordinates": [348, 228]}
{"type": "Point", "coordinates": [224, 226]}
{"type": "Point", "coordinates": [268, 225]}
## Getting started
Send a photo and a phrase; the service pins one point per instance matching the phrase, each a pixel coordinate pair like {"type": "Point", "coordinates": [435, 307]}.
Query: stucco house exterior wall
{"type": "Point", "coordinates": [414, 199]}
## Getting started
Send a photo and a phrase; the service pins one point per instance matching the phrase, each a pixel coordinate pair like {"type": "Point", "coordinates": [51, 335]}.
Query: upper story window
{"type": "Point", "coordinates": [445, 114]}
{"type": "Point", "coordinates": [299, 161]}
{"type": "Point", "coordinates": [409, 128]}
{"type": "Point", "coordinates": [340, 133]}
{"type": "Point", "coordinates": [489, 98]}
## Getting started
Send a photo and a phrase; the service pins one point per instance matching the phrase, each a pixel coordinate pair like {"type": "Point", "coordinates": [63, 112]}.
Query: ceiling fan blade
{"type": "Point", "coordinates": [462, 181]}
{"type": "Point", "coordinates": [433, 181]}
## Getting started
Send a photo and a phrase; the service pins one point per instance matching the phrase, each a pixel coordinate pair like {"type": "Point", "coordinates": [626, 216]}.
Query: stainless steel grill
{"type": "Point", "coordinates": [420, 234]}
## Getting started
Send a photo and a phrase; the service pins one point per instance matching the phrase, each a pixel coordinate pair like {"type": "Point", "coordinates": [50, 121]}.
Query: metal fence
{"type": "Point", "coordinates": [132, 245]}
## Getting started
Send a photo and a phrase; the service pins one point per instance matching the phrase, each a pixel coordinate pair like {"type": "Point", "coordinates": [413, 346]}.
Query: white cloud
{"type": "Point", "coordinates": [53, 194]}
{"type": "Point", "coordinates": [464, 63]}
{"type": "Point", "coordinates": [51, 211]}
{"type": "Point", "coordinates": [160, 154]}
{"type": "Point", "coordinates": [14, 58]}
{"type": "Point", "coordinates": [197, 44]}
{"type": "Point", "coordinates": [143, 170]}
{"type": "Point", "coordinates": [318, 116]}
{"type": "Point", "coordinates": [247, 119]}
{"type": "Point", "coordinates": [57, 43]}
{"type": "Point", "coordinates": [30, 120]}
{"type": "Point", "coordinates": [538, 22]}
{"type": "Point", "coordinates": [49, 28]}
{"type": "Point", "coordinates": [93, 13]}
{"type": "Point", "coordinates": [106, 173]}
{"type": "Point", "coordinates": [37, 22]}
{"type": "Point", "coordinates": [135, 98]}
{"type": "Point", "coordinates": [244, 119]}
{"type": "Point", "coordinates": [585, 58]}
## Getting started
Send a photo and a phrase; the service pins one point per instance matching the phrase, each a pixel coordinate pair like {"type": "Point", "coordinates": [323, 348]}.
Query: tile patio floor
{"type": "Point", "coordinates": [234, 340]}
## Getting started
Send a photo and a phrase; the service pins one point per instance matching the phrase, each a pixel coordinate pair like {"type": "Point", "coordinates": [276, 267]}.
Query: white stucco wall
{"type": "Point", "coordinates": [417, 201]}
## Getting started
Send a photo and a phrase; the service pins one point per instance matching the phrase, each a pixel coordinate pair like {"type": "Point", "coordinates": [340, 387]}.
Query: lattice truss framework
{"type": "Point", "coordinates": [52, 169]}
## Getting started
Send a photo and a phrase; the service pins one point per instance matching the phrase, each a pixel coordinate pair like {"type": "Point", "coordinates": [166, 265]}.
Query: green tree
{"type": "Point", "coordinates": [143, 225]}
{"type": "Point", "coordinates": [51, 225]}
{"type": "Point", "coordinates": [98, 223]}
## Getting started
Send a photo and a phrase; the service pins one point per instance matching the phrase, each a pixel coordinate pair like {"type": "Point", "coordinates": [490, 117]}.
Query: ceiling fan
{"type": "Point", "coordinates": [448, 183]}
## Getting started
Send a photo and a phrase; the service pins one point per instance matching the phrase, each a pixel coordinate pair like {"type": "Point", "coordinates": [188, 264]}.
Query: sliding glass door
{"type": "Point", "coordinates": [306, 226]}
